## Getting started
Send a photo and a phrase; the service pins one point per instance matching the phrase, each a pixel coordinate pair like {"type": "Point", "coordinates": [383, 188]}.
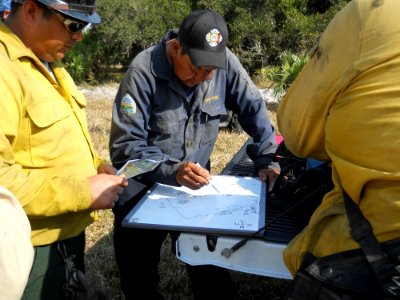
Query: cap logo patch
{"type": "Point", "coordinates": [214, 37]}
{"type": "Point", "coordinates": [128, 105]}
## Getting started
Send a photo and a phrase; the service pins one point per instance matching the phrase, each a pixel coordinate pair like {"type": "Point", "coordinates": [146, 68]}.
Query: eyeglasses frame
{"type": "Point", "coordinates": [68, 21]}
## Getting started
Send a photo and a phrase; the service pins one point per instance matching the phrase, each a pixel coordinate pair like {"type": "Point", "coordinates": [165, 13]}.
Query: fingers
{"type": "Point", "coordinates": [269, 174]}
{"type": "Point", "coordinates": [271, 182]}
{"type": "Point", "coordinates": [105, 190]}
{"type": "Point", "coordinates": [115, 199]}
{"type": "Point", "coordinates": [192, 180]}
{"type": "Point", "coordinates": [123, 181]}
{"type": "Point", "coordinates": [117, 192]}
{"type": "Point", "coordinates": [192, 176]}
{"type": "Point", "coordinates": [106, 169]}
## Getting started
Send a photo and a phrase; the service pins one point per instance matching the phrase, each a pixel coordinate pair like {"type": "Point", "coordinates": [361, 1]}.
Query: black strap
{"type": "Point", "coordinates": [362, 233]}
{"type": "Point", "coordinates": [68, 260]}
{"type": "Point", "coordinates": [77, 285]}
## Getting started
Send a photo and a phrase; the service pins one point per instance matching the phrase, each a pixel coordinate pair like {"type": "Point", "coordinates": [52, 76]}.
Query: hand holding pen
{"type": "Point", "coordinates": [193, 176]}
{"type": "Point", "coordinates": [209, 181]}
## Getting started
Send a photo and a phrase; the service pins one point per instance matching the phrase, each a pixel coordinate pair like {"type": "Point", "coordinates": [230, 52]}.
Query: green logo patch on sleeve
{"type": "Point", "coordinates": [128, 105]}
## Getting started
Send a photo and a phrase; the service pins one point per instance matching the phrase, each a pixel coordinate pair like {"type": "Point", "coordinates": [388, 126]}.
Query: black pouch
{"type": "Point", "coordinates": [346, 275]}
{"type": "Point", "coordinates": [77, 286]}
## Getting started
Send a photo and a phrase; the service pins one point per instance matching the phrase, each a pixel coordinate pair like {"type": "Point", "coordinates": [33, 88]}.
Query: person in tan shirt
{"type": "Point", "coordinates": [16, 250]}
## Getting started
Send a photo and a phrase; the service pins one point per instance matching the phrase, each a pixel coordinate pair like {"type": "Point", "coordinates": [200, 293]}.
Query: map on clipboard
{"type": "Point", "coordinates": [236, 207]}
{"type": "Point", "coordinates": [137, 167]}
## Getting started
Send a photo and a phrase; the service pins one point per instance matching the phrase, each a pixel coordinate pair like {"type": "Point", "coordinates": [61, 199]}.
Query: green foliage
{"type": "Point", "coordinates": [260, 30]}
{"type": "Point", "coordinates": [79, 60]}
{"type": "Point", "coordinates": [297, 26]}
{"type": "Point", "coordinates": [131, 26]}
{"type": "Point", "coordinates": [284, 75]}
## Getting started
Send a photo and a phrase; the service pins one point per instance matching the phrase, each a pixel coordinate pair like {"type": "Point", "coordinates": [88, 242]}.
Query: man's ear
{"type": "Point", "coordinates": [30, 11]}
{"type": "Point", "coordinates": [6, 13]}
{"type": "Point", "coordinates": [176, 48]}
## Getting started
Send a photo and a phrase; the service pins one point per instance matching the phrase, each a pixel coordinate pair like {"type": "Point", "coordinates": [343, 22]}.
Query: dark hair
{"type": "Point", "coordinates": [15, 6]}
{"type": "Point", "coordinates": [46, 11]}
{"type": "Point", "coordinates": [1, 15]}
{"type": "Point", "coordinates": [174, 35]}
{"type": "Point", "coordinates": [183, 48]}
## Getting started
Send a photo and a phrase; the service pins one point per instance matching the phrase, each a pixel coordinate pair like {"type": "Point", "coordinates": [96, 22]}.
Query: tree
{"type": "Point", "coordinates": [130, 27]}
{"type": "Point", "coordinates": [260, 30]}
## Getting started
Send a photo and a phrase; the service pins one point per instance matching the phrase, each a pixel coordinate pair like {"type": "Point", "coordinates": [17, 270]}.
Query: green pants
{"type": "Point", "coordinates": [48, 271]}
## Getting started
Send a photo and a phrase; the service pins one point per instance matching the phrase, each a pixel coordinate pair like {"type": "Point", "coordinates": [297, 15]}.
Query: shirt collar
{"type": "Point", "coordinates": [13, 44]}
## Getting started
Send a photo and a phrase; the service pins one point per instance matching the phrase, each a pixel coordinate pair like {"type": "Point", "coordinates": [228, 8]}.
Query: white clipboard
{"type": "Point", "coordinates": [236, 207]}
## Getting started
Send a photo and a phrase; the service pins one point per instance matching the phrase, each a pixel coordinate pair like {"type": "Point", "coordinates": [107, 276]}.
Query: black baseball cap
{"type": "Point", "coordinates": [204, 36]}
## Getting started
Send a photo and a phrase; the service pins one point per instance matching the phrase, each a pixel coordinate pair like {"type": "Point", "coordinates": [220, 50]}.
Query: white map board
{"type": "Point", "coordinates": [236, 207]}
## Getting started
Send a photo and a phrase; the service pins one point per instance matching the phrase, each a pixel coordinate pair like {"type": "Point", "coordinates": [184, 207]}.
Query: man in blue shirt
{"type": "Point", "coordinates": [169, 107]}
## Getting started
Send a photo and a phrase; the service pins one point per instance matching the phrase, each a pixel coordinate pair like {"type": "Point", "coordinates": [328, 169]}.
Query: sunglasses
{"type": "Point", "coordinates": [71, 25]}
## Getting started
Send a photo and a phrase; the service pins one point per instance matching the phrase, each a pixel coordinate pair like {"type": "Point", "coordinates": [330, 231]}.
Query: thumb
{"type": "Point", "coordinates": [122, 180]}
{"type": "Point", "coordinates": [271, 181]}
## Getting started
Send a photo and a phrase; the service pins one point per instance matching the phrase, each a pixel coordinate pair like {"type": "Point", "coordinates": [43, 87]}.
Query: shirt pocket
{"type": "Point", "coordinates": [48, 121]}
{"type": "Point", "coordinates": [210, 118]}
{"type": "Point", "coordinates": [164, 125]}
{"type": "Point", "coordinates": [167, 132]}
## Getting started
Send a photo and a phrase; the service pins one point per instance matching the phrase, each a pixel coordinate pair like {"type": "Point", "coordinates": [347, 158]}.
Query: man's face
{"type": "Point", "coordinates": [189, 74]}
{"type": "Point", "coordinates": [52, 38]}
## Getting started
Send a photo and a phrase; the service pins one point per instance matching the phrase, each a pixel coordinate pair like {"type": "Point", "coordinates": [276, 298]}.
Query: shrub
{"type": "Point", "coordinates": [79, 61]}
{"type": "Point", "coordinates": [260, 30]}
{"type": "Point", "coordinates": [282, 76]}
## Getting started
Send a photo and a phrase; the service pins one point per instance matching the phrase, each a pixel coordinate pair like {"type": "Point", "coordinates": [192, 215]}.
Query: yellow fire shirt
{"type": "Point", "coordinates": [345, 107]}
{"type": "Point", "coordinates": [45, 150]}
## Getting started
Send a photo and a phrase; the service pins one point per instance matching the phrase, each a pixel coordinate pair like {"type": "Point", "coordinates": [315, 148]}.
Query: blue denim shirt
{"type": "Point", "coordinates": [153, 116]}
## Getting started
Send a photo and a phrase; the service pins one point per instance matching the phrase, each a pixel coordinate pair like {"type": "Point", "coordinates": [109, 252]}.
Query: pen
{"type": "Point", "coordinates": [213, 186]}
{"type": "Point", "coordinates": [209, 182]}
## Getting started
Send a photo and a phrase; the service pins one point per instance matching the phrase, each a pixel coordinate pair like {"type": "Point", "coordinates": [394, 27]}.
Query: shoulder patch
{"type": "Point", "coordinates": [128, 105]}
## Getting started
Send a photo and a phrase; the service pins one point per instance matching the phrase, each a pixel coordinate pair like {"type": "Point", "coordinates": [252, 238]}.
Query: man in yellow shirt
{"type": "Point", "coordinates": [46, 156]}
{"type": "Point", "coordinates": [345, 108]}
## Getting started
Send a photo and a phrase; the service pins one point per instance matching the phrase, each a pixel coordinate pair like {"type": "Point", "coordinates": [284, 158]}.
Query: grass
{"type": "Point", "coordinates": [100, 262]}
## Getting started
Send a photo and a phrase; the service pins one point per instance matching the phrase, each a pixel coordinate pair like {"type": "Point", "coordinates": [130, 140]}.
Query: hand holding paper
{"type": "Point", "coordinates": [137, 167]}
